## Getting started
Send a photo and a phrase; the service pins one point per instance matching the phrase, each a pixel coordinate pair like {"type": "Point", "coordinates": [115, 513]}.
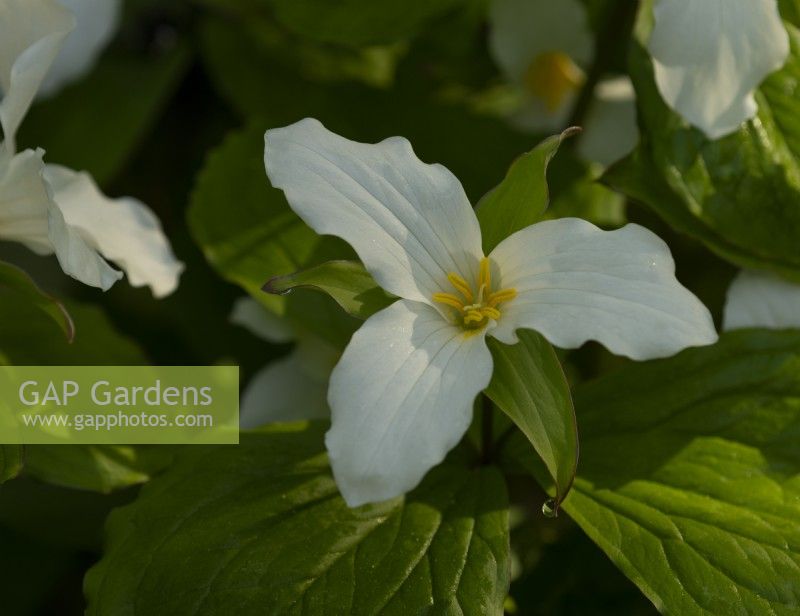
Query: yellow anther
{"type": "Point", "coordinates": [473, 317]}
{"type": "Point", "coordinates": [461, 285]}
{"type": "Point", "coordinates": [499, 297]}
{"type": "Point", "coordinates": [492, 313]}
{"type": "Point", "coordinates": [485, 275]}
{"type": "Point", "coordinates": [476, 309]}
{"type": "Point", "coordinates": [448, 299]}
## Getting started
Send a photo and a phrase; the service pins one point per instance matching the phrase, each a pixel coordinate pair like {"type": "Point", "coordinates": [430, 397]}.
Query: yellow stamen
{"type": "Point", "coordinates": [485, 275]}
{"type": "Point", "coordinates": [461, 286]}
{"type": "Point", "coordinates": [499, 297]}
{"type": "Point", "coordinates": [475, 310]}
{"type": "Point", "coordinates": [552, 77]}
{"type": "Point", "coordinates": [492, 313]}
{"type": "Point", "coordinates": [473, 317]}
{"type": "Point", "coordinates": [448, 299]}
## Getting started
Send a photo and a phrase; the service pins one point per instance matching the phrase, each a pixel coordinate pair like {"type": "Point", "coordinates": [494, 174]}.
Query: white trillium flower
{"type": "Point", "coordinates": [761, 299]}
{"type": "Point", "coordinates": [293, 388]}
{"type": "Point", "coordinates": [402, 394]}
{"type": "Point", "coordinates": [543, 47]}
{"type": "Point", "coordinates": [97, 22]}
{"type": "Point", "coordinates": [54, 210]}
{"type": "Point", "coordinates": [711, 55]}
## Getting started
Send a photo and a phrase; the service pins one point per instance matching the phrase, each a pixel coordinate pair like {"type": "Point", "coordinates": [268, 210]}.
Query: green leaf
{"type": "Point", "coordinates": [347, 282]}
{"type": "Point", "coordinates": [790, 10]}
{"type": "Point", "coordinates": [529, 386]}
{"type": "Point", "coordinates": [521, 199]}
{"type": "Point", "coordinates": [14, 280]}
{"type": "Point", "coordinates": [244, 226]}
{"type": "Point", "coordinates": [99, 468]}
{"type": "Point", "coordinates": [260, 529]}
{"type": "Point", "coordinates": [738, 194]}
{"type": "Point", "coordinates": [31, 338]}
{"type": "Point", "coordinates": [110, 111]}
{"type": "Point", "coordinates": [690, 475]}
{"type": "Point", "coordinates": [249, 235]}
{"type": "Point", "coordinates": [10, 462]}
{"type": "Point", "coordinates": [357, 23]}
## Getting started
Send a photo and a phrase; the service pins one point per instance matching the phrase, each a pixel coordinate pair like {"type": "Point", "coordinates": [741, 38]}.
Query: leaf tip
{"type": "Point", "coordinates": [273, 286]}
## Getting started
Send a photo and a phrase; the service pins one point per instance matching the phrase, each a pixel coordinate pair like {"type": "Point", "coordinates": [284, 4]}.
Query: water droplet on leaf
{"type": "Point", "coordinates": [550, 508]}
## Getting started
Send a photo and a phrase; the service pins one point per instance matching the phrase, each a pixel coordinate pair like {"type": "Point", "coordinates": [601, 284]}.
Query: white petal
{"type": "Point", "coordinates": [760, 299]}
{"type": "Point", "coordinates": [29, 215]}
{"type": "Point", "coordinates": [98, 21]}
{"type": "Point", "coordinates": [31, 35]}
{"type": "Point", "coordinates": [401, 398]}
{"type": "Point", "coordinates": [24, 201]}
{"type": "Point", "coordinates": [710, 55]}
{"type": "Point", "coordinates": [261, 322]}
{"type": "Point", "coordinates": [610, 131]}
{"type": "Point", "coordinates": [122, 230]}
{"type": "Point", "coordinates": [292, 389]}
{"type": "Point", "coordinates": [75, 256]}
{"type": "Point", "coordinates": [576, 283]}
{"type": "Point", "coordinates": [410, 223]}
{"type": "Point", "coordinates": [521, 30]}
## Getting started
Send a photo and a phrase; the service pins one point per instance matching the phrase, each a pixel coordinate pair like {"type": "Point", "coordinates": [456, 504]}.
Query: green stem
{"type": "Point", "coordinates": [614, 34]}
{"type": "Point", "coordinates": [487, 436]}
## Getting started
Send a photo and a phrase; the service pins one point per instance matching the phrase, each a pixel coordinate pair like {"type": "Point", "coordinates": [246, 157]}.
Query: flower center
{"type": "Point", "coordinates": [474, 310]}
{"type": "Point", "coordinates": [551, 77]}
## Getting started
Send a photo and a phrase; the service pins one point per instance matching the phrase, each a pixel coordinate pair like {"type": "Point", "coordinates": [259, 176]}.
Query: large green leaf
{"type": "Point", "coordinates": [347, 282]}
{"type": "Point", "coordinates": [14, 280]}
{"type": "Point", "coordinates": [521, 199]}
{"type": "Point", "coordinates": [690, 475]}
{"type": "Point", "coordinates": [529, 385]}
{"type": "Point", "coordinates": [738, 194]}
{"type": "Point", "coordinates": [260, 529]}
{"type": "Point", "coordinates": [109, 112]}
{"type": "Point", "coordinates": [10, 461]}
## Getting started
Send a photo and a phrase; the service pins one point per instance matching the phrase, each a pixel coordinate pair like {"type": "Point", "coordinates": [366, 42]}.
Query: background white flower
{"type": "Point", "coordinates": [544, 47]}
{"type": "Point", "coordinates": [711, 55]}
{"type": "Point", "coordinates": [401, 396]}
{"type": "Point", "coordinates": [97, 22]}
{"type": "Point", "coordinates": [294, 388]}
{"type": "Point", "coordinates": [52, 209]}
{"type": "Point", "coordinates": [761, 299]}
